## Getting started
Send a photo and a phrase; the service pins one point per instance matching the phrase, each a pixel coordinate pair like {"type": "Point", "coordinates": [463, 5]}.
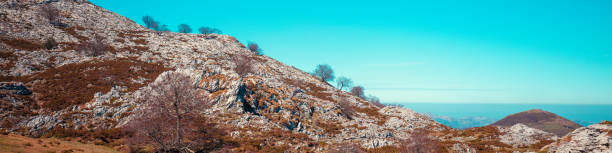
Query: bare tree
{"type": "Point", "coordinates": [184, 28]}
{"type": "Point", "coordinates": [357, 91]}
{"type": "Point", "coordinates": [375, 101]}
{"type": "Point", "coordinates": [346, 108]}
{"type": "Point", "coordinates": [150, 22]}
{"type": "Point", "coordinates": [162, 28]}
{"type": "Point", "coordinates": [253, 47]}
{"type": "Point", "coordinates": [94, 47]}
{"type": "Point", "coordinates": [243, 65]}
{"type": "Point", "coordinates": [169, 114]}
{"type": "Point", "coordinates": [49, 12]}
{"type": "Point", "coordinates": [344, 82]}
{"type": "Point", "coordinates": [209, 30]}
{"type": "Point", "coordinates": [324, 72]}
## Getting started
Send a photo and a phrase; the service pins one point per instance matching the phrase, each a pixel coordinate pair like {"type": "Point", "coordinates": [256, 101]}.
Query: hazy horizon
{"type": "Point", "coordinates": [551, 52]}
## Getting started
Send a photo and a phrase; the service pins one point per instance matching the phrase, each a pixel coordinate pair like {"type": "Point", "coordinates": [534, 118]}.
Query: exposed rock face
{"type": "Point", "coordinates": [595, 138]}
{"type": "Point", "coordinates": [64, 87]}
{"type": "Point", "coordinates": [540, 119]}
{"type": "Point", "coordinates": [521, 135]}
{"type": "Point", "coordinates": [273, 96]}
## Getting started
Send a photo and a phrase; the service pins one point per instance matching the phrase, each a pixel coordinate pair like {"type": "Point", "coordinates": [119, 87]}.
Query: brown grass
{"type": "Point", "coordinates": [15, 143]}
{"type": "Point", "coordinates": [140, 41]}
{"type": "Point", "coordinates": [21, 44]}
{"type": "Point", "coordinates": [11, 57]}
{"type": "Point", "coordinates": [135, 49]}
{"type": "Point", "coordinates": [76, 83]}
{"type": "Point", "coordinates": [72, 31]}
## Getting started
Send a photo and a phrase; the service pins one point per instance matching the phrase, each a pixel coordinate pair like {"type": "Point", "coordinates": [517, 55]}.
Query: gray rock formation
{"type": "Point", "coordinates": [595, 138]}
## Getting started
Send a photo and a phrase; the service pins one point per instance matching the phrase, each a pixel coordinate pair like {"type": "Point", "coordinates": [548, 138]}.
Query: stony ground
{"type": "Point", "coordinates": [67, 88]}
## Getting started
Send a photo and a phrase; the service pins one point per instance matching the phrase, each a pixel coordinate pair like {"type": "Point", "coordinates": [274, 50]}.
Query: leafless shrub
{"type": "Point", "coordinates": [346, 108]}
{"type": "Point", "coordinates": [419, 142]}
{"type": "Point", "coordinates": [184, 28]}
{"type": "Point", "coordinates": [94, 47]}
{"type": "Point", "coordinates": [243, 65]}
{"type": "Point", "coordinates": [344, 82]}
{"type": "Point", "coordinates": [169, 117]}
{"type": "Point", "coordinates": [253, 47]}
{"type": "Point", "coordinates": [150, 22]}
{"type": "Point", "coordinates": [50, 43]}
{"type": "Point", "coordinates": [375, 101]}
{"type": "Point", "coordinates": [209, 30]}
{"type": "Point", "coordinates": [324, 72]}
{"type": "Point", "coordinates": [357, 91]}
{"type": "Point", "coordinates": [49, 12]}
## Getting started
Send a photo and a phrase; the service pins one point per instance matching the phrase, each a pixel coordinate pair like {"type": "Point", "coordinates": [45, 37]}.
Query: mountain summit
{"type": "Point", "coordinates": [540, 119]}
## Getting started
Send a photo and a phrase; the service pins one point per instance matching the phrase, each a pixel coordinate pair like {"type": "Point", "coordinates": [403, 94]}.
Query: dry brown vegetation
{"type": "Point", "coordinates": [72, 31]}
{"type": "Point", "coordinates": [243, 65]}
{"type": "Point", "coordinates": [11, 60]}
{"type": "Point", "coordinates": [76, 83]}
{"type": "Point", "coordinates": [21, 44]}
{"type": "Point", "coordinates": [14, 143]}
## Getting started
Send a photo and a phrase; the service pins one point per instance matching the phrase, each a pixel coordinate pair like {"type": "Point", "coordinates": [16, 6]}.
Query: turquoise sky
{"type": "Point", "coordinates": [514, 51]}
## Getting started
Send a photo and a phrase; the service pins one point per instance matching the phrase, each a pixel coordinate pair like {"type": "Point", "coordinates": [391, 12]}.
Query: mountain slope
{"type": "Point", "coordinates": [594, 138]}
{"type": "Point", "coordinates": [540, 119]}
{"type": "Point", "coordinates": [73, 89]}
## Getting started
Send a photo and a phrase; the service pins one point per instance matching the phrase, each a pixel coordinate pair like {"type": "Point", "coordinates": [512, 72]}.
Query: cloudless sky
{"type": "Point", "coordinates": [473, 51]}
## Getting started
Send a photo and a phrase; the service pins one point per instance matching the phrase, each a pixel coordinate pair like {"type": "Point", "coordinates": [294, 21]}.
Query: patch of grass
{"type": "Point", "coordinates": [16, 143]}
{"type": "Point", "coordinates": [77, 83]}
{"type": "Point", "coordinates": [21, 44]}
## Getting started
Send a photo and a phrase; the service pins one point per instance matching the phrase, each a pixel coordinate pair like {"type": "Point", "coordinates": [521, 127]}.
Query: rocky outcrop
{"type": "Point", "coordinates": [521, 135]}
{"type": "Point", "coordinates": [595, 138]}
{"type": "Point", "coordinates": [80, 91]}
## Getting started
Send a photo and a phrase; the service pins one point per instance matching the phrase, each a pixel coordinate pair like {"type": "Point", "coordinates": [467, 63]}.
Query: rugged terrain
{"type": "Point", "coordinates": [68, 91]}
{"type": "Point", "coordinates": [71, 89]}
{"type": "Point", "coordinates": [594, 138]}
{"type": "Point", "coordinates": [540, 119]}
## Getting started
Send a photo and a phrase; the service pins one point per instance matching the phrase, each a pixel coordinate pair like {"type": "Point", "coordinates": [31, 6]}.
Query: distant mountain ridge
{"type": "Point", "coordinates": [540, 119]}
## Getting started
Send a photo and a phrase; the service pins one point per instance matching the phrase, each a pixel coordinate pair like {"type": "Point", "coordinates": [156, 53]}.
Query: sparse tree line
{"type": "Point", "coordinates": [182, 28]}
{"type": "Point", "coordinates": [326, 73]}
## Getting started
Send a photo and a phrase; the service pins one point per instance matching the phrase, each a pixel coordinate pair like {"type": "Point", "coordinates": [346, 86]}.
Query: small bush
{"type": "Point", "coordinates": [243, 65]}
{"type": "Point", "coordinates": [184, 28]}
{"type": "Point", "coordinates": [95, 47]}
{"type": "Point", "coordinates": [375, 101]}
{"type": "Point", "coordinates": [253, 47]}
{"type": "Point", "coordinates": [346, 108]}
{"type": "Point", "coordinates": [150, 22]}
{"type": "Point", "coordinates": [357, 91]}
{"type": "Point", "coordinates": [50, 44]}
{"type": "Point", "coordinates": [209, 30]}
{"type": "Point", "coordinates": [49, 12]}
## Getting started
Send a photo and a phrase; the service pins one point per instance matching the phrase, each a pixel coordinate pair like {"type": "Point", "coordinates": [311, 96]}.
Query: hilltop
{"type": "Point", "coordinates": [540, 119]}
